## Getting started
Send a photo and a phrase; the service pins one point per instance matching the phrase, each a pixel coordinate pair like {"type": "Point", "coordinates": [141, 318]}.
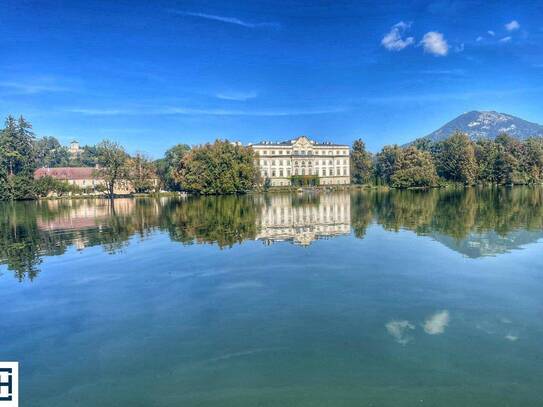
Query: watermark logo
{"type": "Point", "coordinates": [9, 384]}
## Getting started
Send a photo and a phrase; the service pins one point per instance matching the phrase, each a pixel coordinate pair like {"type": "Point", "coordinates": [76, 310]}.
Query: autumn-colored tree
{"type": "Point", "coordinates": [141, 173]}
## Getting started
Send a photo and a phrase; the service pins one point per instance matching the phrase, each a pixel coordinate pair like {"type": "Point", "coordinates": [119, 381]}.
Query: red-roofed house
{"type": "Point", "coordinates": [85, 178]}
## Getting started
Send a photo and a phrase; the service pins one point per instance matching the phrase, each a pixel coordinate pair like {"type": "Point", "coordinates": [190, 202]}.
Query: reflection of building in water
{"type": "Point", "coordinates": [81, 213]}
{"type": "Point", "coordinates": [303, 219]}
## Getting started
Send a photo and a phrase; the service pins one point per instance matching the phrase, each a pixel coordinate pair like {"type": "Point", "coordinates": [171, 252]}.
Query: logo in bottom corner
{"type": "Point", "coordinates": [9, 384]}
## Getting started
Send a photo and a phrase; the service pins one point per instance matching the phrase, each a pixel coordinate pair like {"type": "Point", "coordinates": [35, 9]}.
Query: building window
{"type": "Point", "coordinates": [273, 173]}
{"type": "Point", "coordinates": [280, 173]}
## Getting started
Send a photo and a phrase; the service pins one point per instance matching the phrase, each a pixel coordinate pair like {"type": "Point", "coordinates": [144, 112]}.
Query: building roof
{"type": "Point", "coordinates": [66, 173]}
{"type": "Point", "coordinates": [293, 141]}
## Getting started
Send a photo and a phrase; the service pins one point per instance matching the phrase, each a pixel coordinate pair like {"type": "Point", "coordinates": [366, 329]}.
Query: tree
{"type": "Point", "coordinates": [16, 159]}
{"type": "Point", "coordinates": [533, 159]}
{"type": "Point", "coordinates": [414, 169]}
{"type": "Point", "coordinates": [141, 173]}
{"type": "Point", "coordinates": [48, 152]}
{"type": "Point", "coordinates": [218, 168]}
{"type": "Point", "coordinates": [455, 159]}
{"type": "Point", "coordinates": [361, 163]}
{"type": "Point", "coordinates": [486, 153]}
{"type": "Point", "coordinates": [386, 162]}
{"type": "Point", "coordinates": [112, 160]}
{"type": "Point", "coordinates": [167, 166]}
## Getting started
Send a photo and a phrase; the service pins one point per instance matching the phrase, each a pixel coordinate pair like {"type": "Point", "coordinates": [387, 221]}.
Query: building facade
{"type": "Point", "coordinates": [87, 179]}
{"type": "Point", "coordinates": [278, 162]}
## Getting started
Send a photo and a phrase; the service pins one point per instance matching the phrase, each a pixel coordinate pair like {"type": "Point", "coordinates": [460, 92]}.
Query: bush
{"type": "Point", "coordinates": [304, 180]}
{"type": "Point", "coordinates": [47, 185]}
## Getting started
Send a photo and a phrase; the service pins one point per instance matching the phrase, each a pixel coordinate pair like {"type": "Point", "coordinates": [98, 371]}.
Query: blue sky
{"type": "Point", "coordinates": [153, 74]}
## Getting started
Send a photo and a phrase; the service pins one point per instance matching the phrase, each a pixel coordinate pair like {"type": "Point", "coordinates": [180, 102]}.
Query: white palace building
{"type": "Point", "coordinates": [302, 156]}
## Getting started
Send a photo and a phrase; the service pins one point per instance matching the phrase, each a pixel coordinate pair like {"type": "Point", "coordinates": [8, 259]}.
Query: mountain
{"type": "Point", "coordinates": [487, 125]}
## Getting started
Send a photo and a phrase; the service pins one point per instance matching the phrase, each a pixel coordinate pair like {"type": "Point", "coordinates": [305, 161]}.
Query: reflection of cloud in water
{"type": "Point", "coordinates": [511, 338]}
{"type": "Point", "coordinates": [242, 285]}
{"type": "Point", "coordinates": [436, 324]}
{"type": "Point", "coordinates": [399, 330]}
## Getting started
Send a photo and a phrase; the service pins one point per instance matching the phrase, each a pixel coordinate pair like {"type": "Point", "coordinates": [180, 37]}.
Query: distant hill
{"type": "Point", "coordinates": [488, 125]}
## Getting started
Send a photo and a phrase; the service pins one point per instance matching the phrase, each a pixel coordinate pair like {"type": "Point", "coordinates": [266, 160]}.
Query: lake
{"type": "Point", "coordinates": [361, 298]}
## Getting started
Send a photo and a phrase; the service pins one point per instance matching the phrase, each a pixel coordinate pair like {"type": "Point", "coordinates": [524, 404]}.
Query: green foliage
{"type": "Point", "coordinates": [386, 163]}
{"type": "Point", "coordinates": [361, 163]}
{"type": "Point", "coordinates": [44, 186]}
{"type": "Point", "coordinates": [414, 169]}
{"type": "Point", "coordinates": [88, 157]}
{"type": "Point", "coordinates": [167, 166]}
{"type": "Point", "coordinates": [304, 180]}
{"type": "Point", "coordinates": [141, 173]}
{"type": "Point", "coordinates": [503, 161]}
{"type": "Point", "coordinates": [455, 159]}
{"type": "Point", "coordinates": [218, 168]}
{"type": "Point", "coordinates": [112, 160]}
{"type": "Point", "coordinates": [16, 159]}
{"type": "Point", "coordinates": [267, 184]}
{"type": "Point", "coordinates": [48, 152]}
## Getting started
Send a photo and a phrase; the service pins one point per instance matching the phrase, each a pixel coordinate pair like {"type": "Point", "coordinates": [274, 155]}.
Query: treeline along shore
{"type": "Point", "coordinates": [223, 167]}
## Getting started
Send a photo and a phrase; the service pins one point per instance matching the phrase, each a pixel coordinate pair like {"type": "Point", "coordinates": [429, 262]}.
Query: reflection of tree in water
{"type": "Point", "coordinates": [224, 220]}
{"type": "Point", "coordinates": [490, 213]}
{"type": "Point", "coordinates": [496, 219]}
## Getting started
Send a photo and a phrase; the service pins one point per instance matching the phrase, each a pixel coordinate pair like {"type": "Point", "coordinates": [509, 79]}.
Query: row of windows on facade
{"type": "Point", "coordinates": [323, 182]}
{"type": "Point", "coordinates": [301, 171]}
{"type": "Point", "coordinates": [303, 152]}
{"type": "Point", "coordinates": [302, 163]}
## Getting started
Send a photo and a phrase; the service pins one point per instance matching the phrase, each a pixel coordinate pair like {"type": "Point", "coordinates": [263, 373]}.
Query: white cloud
{"type": "Point", "coordinates": [31, 88]}
{"type": "Point", "coordinates": [188, 111]}
{"type": "Point", "coordinates": [394, 40]}
{"type": "Point", "coordinates": [237, 96]}
{"type": "Point", "coordinates": [459, 48]}
{"type": "Point", "coordinates": [506, 39]}
{"type": "Point", "coordinates": [399, 331]}
{"type": "Point", "coordinates": [434, 43]}
{"type": "Point", "coordinates": [436, 323]}
{"type": "Point", "coordinates": [228, 20]}
{"type": "Point", "coordinates": [479, 39]}
{"type": "Point", "coordinates": [491, 33]}
{"type": "Point", "coordinates": [512, 26]}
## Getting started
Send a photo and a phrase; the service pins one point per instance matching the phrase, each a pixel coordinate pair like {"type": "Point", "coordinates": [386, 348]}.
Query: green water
{"type": "Point", "coordinates": [340, 299]}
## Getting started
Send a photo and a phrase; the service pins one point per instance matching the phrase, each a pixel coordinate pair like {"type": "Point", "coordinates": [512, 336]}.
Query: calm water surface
{"type": "Point", "coordinates": [332, 299]}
